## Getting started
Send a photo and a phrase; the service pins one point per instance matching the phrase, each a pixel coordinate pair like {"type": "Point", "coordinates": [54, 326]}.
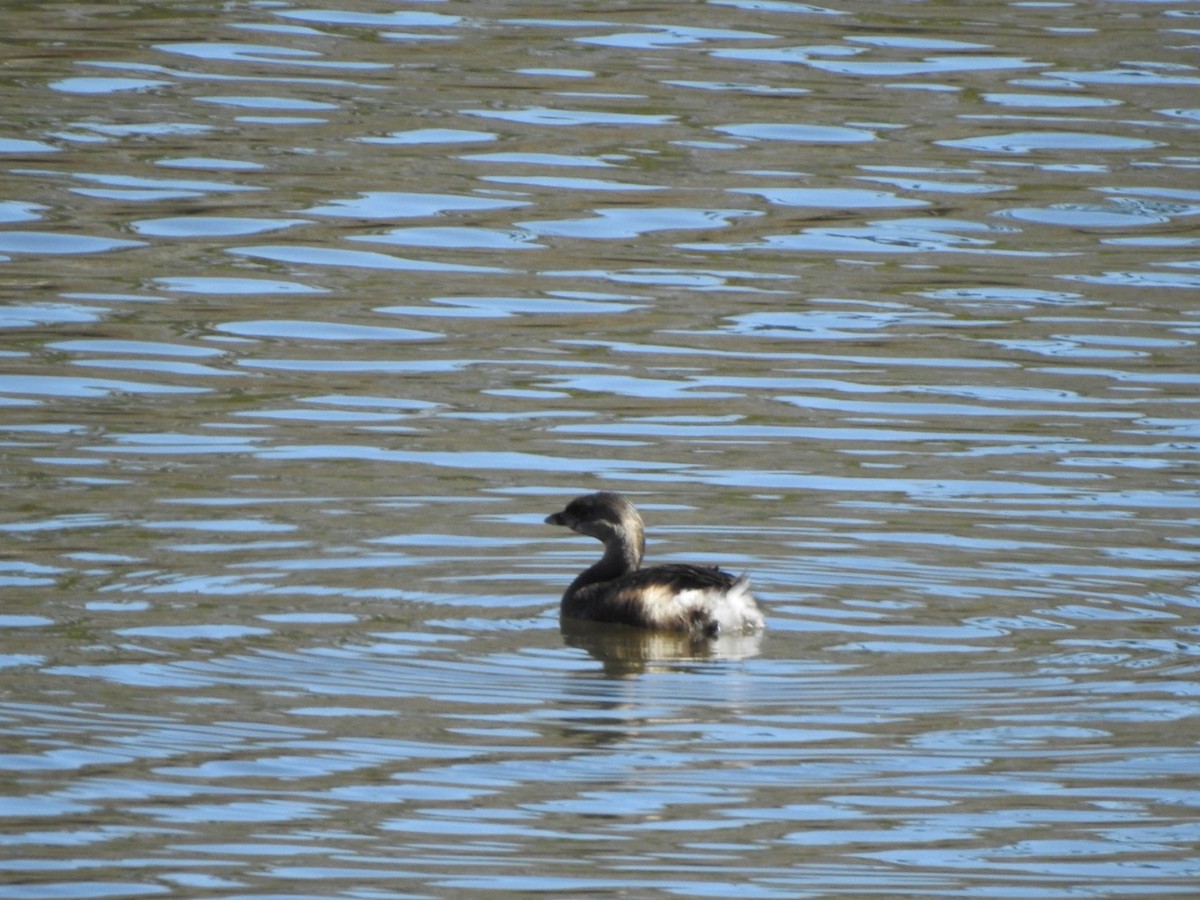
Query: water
{"type": "Point", "coordinates": [310, 315]}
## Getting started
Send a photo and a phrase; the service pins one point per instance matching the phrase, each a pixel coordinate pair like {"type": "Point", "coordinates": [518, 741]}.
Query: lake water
{"type": "Point", "coordinates": [311, 314]}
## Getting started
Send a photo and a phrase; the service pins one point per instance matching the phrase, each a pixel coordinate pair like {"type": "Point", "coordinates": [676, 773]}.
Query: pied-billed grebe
{"type": "Point", "coordinates": [674, 597]}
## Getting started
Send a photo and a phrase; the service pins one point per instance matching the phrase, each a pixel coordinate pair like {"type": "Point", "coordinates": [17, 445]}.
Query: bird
{"type": "Point", "coordinates": [701, 600]}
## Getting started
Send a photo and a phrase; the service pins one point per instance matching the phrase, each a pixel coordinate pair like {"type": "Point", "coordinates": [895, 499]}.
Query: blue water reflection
{"type": "Point", "coordinates": [311, 316]}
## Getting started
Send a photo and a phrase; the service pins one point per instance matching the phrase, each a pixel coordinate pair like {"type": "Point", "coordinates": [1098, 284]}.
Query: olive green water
{"type": "Point", "coordinates": [309, 315]}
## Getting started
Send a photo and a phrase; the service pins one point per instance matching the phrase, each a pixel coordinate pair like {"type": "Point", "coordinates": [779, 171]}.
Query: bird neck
{"type": "Point", "coordinates": [622, 554]}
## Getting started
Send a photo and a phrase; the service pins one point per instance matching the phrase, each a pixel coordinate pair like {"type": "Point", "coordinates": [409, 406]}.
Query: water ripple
{"type": "Point", "coordinates": [280, 604]}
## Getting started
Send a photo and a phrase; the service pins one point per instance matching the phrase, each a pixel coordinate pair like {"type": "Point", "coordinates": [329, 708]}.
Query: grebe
{"type": "Point", "coordinates": [702, 600]}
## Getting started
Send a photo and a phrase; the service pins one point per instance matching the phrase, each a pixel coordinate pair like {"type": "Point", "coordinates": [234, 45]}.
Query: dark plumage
{"type": "Point", "coordinates": [675, 597]}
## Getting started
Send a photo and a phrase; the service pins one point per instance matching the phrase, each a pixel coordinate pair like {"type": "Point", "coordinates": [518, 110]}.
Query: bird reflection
{"type": "Point", "coordinates": [625, 651]}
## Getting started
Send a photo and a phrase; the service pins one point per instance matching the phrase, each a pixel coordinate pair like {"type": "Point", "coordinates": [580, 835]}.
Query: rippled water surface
{"type": "Point", "coordinates": [310, 314]}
